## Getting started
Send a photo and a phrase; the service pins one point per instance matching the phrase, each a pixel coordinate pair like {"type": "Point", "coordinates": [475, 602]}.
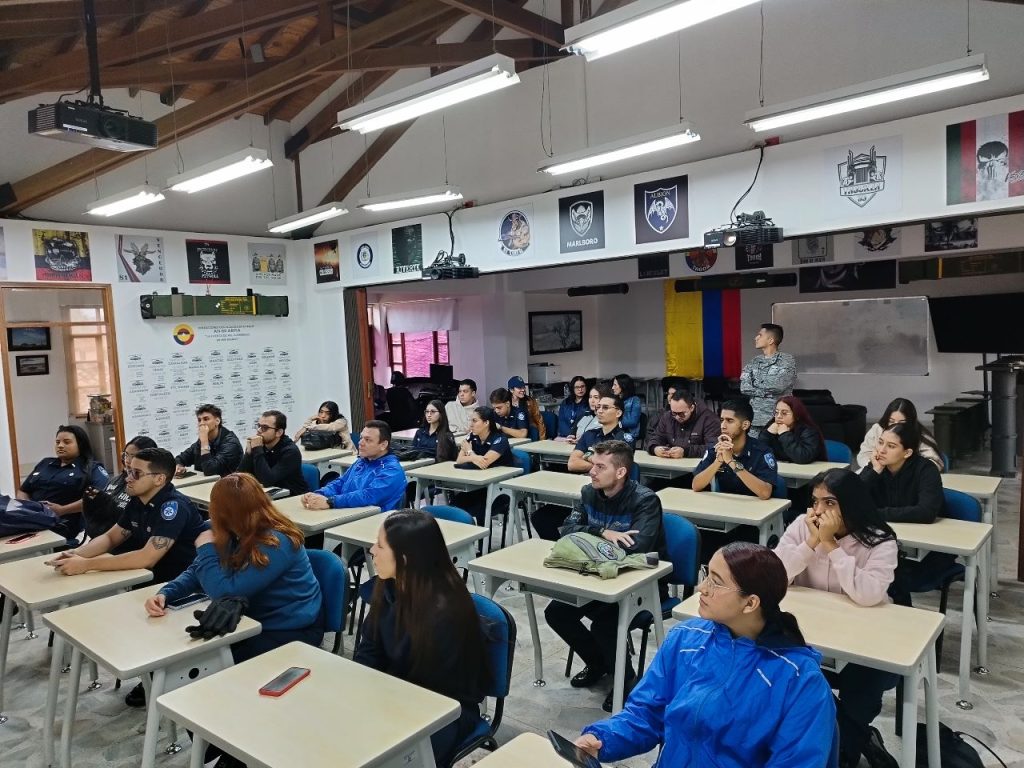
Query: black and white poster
{"type": "Point", "coordinates": [660, 210]}
{"type": "Point", "coordinates": [864, 176]}
{"type": "Point", "coordinates": [813, 250]}
{"type": "Point", "coordinates": [878, 241]}
{"type": "Point", "coordinates": [515, 231]}
{"type": "Point", "coordinates": [581, 222]}
{"type": "Point", "coordinates": [862, 276]}
{"type": "Point", "coordinates": [140, 259]}
{"type": "Point", "coordinates": [950, 234]}
{"type": "Point", "coordinates": [267, 264]}
{"type": "Point", "coordinates": [407, 248]}
{"type": "Point", "coordinates": [754, 256]}
{"type": "Point", "coordinates": [208, 261]}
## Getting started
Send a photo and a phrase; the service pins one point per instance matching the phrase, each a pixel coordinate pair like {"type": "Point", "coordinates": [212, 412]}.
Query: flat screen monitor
{"type": "Point", "coordinates": [441, 373]}
{"type": "Point", "coordinates": [983, 323]}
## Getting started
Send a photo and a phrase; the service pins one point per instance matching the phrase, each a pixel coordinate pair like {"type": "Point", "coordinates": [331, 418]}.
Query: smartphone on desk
{"type": "Point", "coordinates": [186, 600]}
{"type": "Point", "coordinates": [285, 681]}
{"type": "Point", "coordinates": [569, 751]}
{"type": "Point", "coordinates": [22, 537]}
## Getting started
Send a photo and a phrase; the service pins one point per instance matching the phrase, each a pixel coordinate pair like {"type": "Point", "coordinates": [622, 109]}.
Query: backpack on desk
{"type": "Point", "coordinates": [589, 554]}
{"type": "Point", "coordinates": [24, 516]}
{"type": "Point", "coordinates": [318, 439]}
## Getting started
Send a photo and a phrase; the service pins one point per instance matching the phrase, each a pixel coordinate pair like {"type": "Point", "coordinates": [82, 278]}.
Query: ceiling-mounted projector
{"type": "Point", "coordinates": [446, 267]}
{"type": "Point", "coordinates": [750, 229]}
{"type": "Point", "coordinates": [92, 124]}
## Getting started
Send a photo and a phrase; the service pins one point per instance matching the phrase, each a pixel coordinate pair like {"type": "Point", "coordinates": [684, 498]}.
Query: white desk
{"type": "Point", "coordinates": [41, 541]}
{"type": "Point", "coordinates": [403, 436]}
{"type": "Point", "coordinates": [117, 633]}
{"type": "Point", "coordinates": [38, 587]}
{"type": "Point", "coordinates": [724, 511]}
{"type": "Point", "coordinates": [985, 489]}
{"type": "Point", "coordinates": [311, 521]}
{"type": "Point", "coordinates": [342, 714]}
{"type": "Point", "coordinates": [549, 452]}
{"type": "Point", "coordinates": [322, 457]}
{"type": "Point", "coordinates": [449, 477]}
{"type": "Point", "coordinates": [540, 487]}
{"type": "Point", "coordinates": [661, 467]}
{"type": "Point", "coordinates": [348, 461]}
{"type": "Point", "coordinates": [526, 749]}
{"type": "Point", "coordinates": [196, 478]}
{"type": "Point", "coordinates": [801, 474]}
{"type": "Point", "coordinates": [634, 591]}
{"type": "Point", "coordinates": [971, 543]}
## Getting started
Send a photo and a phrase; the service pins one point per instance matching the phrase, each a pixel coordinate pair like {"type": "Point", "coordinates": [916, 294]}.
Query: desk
{"type": "Point", "coordinates": [196, 478]}
{"type": "Point", "coordinates": [312, 521]}
{"type": "Point", "coordinates": [449, 477]}
{"type": "Point", "coordinates": [403, 436]}
{"type": "Point", "coordinates": [540, 487]}
{"type": "Point", "coordinates": [801, 474]}
{"type": "Point", "coordinates": [322, 457]}
{"type": "Point", "coordinates": [724, 511]}
{"type": "Point", "coordinates": [342, 714]}
{"type": "Point", "coordinates": [41, 541]}
{"type": "Point", "coordinates": [970, 542]}
{"type": "Point", "coordinates": [140, 645]}
{"type": "Point", "coordinates": [40, 588]}
{"type": "Point", "coordinates": [549, 451]}
{"type": "Point", "coordinates": [348, 461]}
{"type": "Point", "coordinates": [525, 749]}
{"type": "Point", "coordinates": [634, 591]}
{"type": "Point", "coordinates": [985, 490]}
{"type": "Point", "coordinates": [660, 467]}
{"type": "Point", "coordinates": [888, 637]}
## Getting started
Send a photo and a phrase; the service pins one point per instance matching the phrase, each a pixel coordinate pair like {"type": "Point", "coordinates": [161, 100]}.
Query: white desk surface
{"type": "Point", "coordinates": [343, 713]}
{"type": "Point", "coordinates": [526, 749]}
{"type": "Point", "coordinates": [348, 461]}
{"type": "Point", "coordinates": [551, 483]}
{"type": "Point", "coordinates": [323, 454]}
{"type": "Point", "coordinates": [404, 435]}
{"type": "Point", "coordinates": [889, 637]}
{"type": "Point", "coordinates": [477, 477]}
{"type": "Point", "coordinates": [791, 471]}
{"type": "Point", "coordinates": [198, 478]}
{"type": "Point", "coordinates": [957, 537]}
{"type": "Point", "coordinates": [363, 533]}
{"type": "Point", "coordinates": [644, 460]}
{"type": "Point", "coordinates": [556, 448]}
{"type": "Point", "coordinates": [525, 562]}
{"type": "Point", "coordinates": [37, 586]}
{"type": "Point", "coordinates": [41, 541]}
{"type": "Point", "coordinates": [516, 442]}
{"type": "Point", "coordinates": [117, 633]}
{"type": "Point", "coordinates": [315, 520]}
{"type": "Point", "coordinates": [198, 493]}
{"type": "Point", "coordinates": [980, 486]}
{"type": "Point", "coordinates": [720, 507]}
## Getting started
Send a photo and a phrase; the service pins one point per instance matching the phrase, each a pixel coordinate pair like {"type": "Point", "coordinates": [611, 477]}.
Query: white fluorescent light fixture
{"type": "Point", "coordinates": [642, 21]}
{"type": "Point", "coordinates": [305, 218]}
{"type": "Point", "coordinates": [125, 201]}
{"type": "Point", "coordinates": [228, 168]}
{"type": "Point", "coordinates": [461, 84]}
{"type": "Point", "coordinates": [634, 146]}
{"type": "Point", "coordinates": [411, 199]}
{"type": "Point", "coordinates": [887, 90]}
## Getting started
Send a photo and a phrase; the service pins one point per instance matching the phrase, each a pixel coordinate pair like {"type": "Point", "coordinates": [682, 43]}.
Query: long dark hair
{"type": "Point", "coordinates": [446, 450]}
{"type": "Point", "coordinates": [909, 411]}
{"type": "Point", "coordinates": [487, 413]}
{"type": "Point", "coordinates": [759, 571]}
{"type": "Point", "coordinates": [85, 454]}
{"type": "Point", "coordinates": [571, 399]}
{"type": "Point", "coordinates": [861, 517]}
{"type": "Point", "coordinates": [332, 407]}
{"type": "Point", "coordinates": [802, 417]}
{"type": "Point", "coordinates": [429, 592]}
{"type": "Point", "coordinates": [908, 433]}
{"type": "Point", "coordinates": [626, 385]}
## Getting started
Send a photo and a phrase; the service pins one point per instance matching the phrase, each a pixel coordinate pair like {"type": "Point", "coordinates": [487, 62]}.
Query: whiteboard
{"type": "Point", "coordinates": [857, 335]}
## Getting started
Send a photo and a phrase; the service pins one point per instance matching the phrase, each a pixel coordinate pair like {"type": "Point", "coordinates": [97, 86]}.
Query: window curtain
{"type": "Point", "coordinates": [420, 316]}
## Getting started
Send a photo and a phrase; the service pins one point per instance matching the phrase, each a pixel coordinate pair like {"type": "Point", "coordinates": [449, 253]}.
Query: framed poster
{"type": "Point", "coordinates": [140, 259]}
{"type": "Point", "coordinates": [208, 262]}
{"type": "Point", "coordinates": [267, 264]}
{"type": "Point", "coordinates": [32, 365]}
{"type": "Point", "coordinates": [553, 332]}
{"type": "Point", "coordinates": [62, 255]}
{"type": "Point", "coordinates": [28, 339]}
{"type": "Point", "coordinates": [327, 262]}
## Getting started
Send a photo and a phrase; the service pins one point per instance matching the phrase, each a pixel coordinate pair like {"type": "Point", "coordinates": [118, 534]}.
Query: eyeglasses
{"type": "Point", "coordinates": [706, 580]}
{"type": "Point", "coordinates": [135, 474]}
{"type": "Point", "coordinates": [678, 415]}
{"type": "Point", "coordinates": [263, 427]}
{"type": "Point", "coordinates": [601, 407]}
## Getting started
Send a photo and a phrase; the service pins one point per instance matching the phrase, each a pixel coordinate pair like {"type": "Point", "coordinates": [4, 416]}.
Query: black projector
{"type": "Point", "coordinates": [91, 124]}
{"type": "Point", "coordinates": [450, 273]}
{"type": "Point", "coordinates": [721, 238]}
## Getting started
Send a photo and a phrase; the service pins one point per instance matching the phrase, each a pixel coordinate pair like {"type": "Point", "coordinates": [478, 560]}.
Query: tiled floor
{"type": "Point", "coordinates": [109, 734]}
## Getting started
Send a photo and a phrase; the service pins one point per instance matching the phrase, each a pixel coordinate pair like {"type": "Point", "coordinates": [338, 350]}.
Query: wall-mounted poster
{"type": "Point", "coordinates": [407, 249]}
{"type": "Point", "coordinates": [553, 332]}
{"type": "Point", "coordinates": [3, 256]}
{"type": "Point", "coordinates": [700, 259]}
{"type": "Point", "coordinates": [754, 256]}
{"type": "Point", "coordinates": [950, 234]}
{"type": "Point", "coordinates": [813, 250]}
{"type": "Point", "coordinates": [365, 254]}
{"type": "Point", "coordinates": [878, 241]}
{"type": "Point", "coordinates": [581, 222]}
{"type": "Point", "coordinates": [863, 276]}
{"type": "Point", "coordinates": [208, 262]}
{"type": "Point", "coordinates": [62, 255]}
{"type": "Point", "coordinates": [867, 175]}
{"type": "Point", "coordinates": [660, 210]}
{"type": "Point", "coordinates": [985, 159]}
{"type": "Point", "coordinates": [266, 264]}
{"type": "Point", "coordinates": [327, 262]}
{"type": "Point", "coordinates": [514, 231]}
{"type": "Point", "coordinates": [140, 259]}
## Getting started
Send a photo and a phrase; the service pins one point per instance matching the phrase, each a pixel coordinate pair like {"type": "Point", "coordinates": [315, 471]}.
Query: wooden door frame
{"type": "Point", "coordinates": [115, 375]}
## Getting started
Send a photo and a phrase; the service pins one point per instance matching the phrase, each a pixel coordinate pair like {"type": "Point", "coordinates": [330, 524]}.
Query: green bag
{"type": "Point", "coordinates": [589, 554]}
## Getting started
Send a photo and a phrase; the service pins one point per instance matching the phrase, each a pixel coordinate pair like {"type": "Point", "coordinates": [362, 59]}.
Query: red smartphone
{"type": "Point", "coordinates": [23, 537]}
{"type": "Point", "coordinates": [284, 682]}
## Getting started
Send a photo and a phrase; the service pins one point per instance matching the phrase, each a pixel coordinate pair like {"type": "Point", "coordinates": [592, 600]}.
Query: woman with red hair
{"type": "Point", "coordinates": [793, 436]}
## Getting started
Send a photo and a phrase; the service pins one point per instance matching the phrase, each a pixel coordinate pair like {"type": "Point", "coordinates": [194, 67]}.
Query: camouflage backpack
{"type": "Point", "coordinates": [589, 554]}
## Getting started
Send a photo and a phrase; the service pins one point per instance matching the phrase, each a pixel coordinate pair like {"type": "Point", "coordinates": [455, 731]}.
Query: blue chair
{"type": "Point", "coordinates": [780, 491]}
{"type": "Point", "coordinates": [452, 514]}
{"type": "Point", "coordinates": [311, 475]}
{"type": "Point", "coordinates": [945, 462]}
{"type": "Point", "coordinates": [634, 473]}
{"type": "Point", "coordinates": [365, 592]}
{"type": "Point", "coordinates": [532, 433]}
{"type": "Point", "coordinates": [332, 575]}
{"type": "Point", "coordinates": [550, 424]}
{"type": "Point", "coordinates": [836, 451]}
{"type": "Point", "coordinates": [499, 629]}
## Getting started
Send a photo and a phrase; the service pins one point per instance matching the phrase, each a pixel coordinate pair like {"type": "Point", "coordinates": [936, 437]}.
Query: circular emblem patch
{"type": "Point", "coordinates": [701, 259]}
{"type": "Point", "coordinates": [514, 233]}
{"type": "Point", "coordinates": [184, 335]}
{"type": "Point", "coordinates": [364, 256]}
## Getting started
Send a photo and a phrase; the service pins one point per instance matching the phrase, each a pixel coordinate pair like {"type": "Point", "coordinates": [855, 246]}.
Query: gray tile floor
{"type": "Point", "coordinates": [110, 734]}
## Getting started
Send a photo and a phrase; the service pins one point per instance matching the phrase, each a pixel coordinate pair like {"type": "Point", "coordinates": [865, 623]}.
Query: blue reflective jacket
{"type": "Point", "coordinates": [715, 701]}
{"type": "Point", "coordinates": [377, 483]}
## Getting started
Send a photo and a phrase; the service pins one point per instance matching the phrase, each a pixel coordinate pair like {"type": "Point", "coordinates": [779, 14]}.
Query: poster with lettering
{"type": "Point", "coordinates": [515, 231]}
{"type": "Point", "coordinates": [327, 262]}
{"type": "Point", "coordinates": [754, 256]}
{"type": "Point", "coordinates": [815, 249]}
{"type": "Point", "coordinates": [660, 210]}
{"type": "Point", "coordinates": [140, 259]}
{"type": "Point", "coordinates": [865, 176]}
{"type": "Point", "coordinates": [407, 249]}
{"type": "Point", "coordinates": [267, 264]}
{"type": "Point", "coordinates": [208, 262]}
{"type": "Point", "coordinates": [581, 222]}
{"type": "Point", "coordinates": [62, 255]}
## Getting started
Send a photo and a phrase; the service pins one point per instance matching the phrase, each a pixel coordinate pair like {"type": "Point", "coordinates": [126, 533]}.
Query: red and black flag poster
{"type": "Point", "coordinates": [985, 159]}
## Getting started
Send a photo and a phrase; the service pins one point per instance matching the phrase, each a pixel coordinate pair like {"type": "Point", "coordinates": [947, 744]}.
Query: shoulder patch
{"type": "Point", "coordinates": [628, 437]}
{"type": "Point", "coordinates": [769, 459]}
{"type": "Point", "coordinates": [169, 511]}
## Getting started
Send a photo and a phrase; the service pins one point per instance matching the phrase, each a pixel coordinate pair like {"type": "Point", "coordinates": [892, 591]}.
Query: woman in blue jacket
{"type": "Point", "coordinates": [622, 386]}
{"type": "Point", "coordinates": [573, 407]}
{"type": "Point", "coordinates": [737, 688]}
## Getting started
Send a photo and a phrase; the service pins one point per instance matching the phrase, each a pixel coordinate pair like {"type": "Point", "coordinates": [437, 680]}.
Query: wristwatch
{"type": "Point", "coordinates": [737, 466]}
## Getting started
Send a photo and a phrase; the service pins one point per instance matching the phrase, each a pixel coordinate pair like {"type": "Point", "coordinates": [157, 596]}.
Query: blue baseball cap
{"type": "Point", "coordinates": [516, 381]}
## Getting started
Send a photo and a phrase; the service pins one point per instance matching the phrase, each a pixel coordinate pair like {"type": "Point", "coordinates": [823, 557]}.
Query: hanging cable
{"type": "Point", "coordinates": [679, 53]}
{"type": "Point", "coordinates": [174, 109]}
{"type": "Point", "coordinates": [760, 73]}
{"type": "Point", "coordinates": [732, 213]}
{"type": "Point", "coordinates": [138, 73]}
{"type": "Point", "coordinates": [444, 147]}
{"type": "Point", "coordinates": [968, 27]}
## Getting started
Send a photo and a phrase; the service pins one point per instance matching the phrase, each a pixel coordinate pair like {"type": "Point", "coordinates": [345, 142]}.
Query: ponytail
{"type": "Point", "coordinates": [759, 571]}
{"type": "Point", "coordinates": [790, 627]}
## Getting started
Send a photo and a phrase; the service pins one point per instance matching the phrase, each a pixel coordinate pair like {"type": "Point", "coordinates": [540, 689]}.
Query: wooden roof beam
{"type": "Point", "coordinates": [514, 17]}
{"type": "Point", "coordinates": [364, 164]}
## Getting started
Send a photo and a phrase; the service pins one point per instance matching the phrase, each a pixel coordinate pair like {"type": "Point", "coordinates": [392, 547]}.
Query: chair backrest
{"type": "Point", "coordinates": [550, 423]}
{"type": "Point", "coordinates": [634, 472]}
{"type": "Point", "coordinates": [641, 431]}
{"type": "Point", "coordinates": [452, 514]}
{"type": "Point", "coordinates": [523, 461]}
{"type": "Point", "coordinates": [532, 433]}
{"type": "Point", "coordinates": [312, 476]}
{"type": "Point", "coordinates": [683, 542]}
{"type": "Point", "coordinates": [780, 491]}
{"type": "Point", "coordinates": [332, 575]}
{"type": "Point", "coordinates": [836, 451]}
{"type": "Point", "coordinates": [960, 506]}
{"type": "Point", "coordinates": [500, 636]}
{"type": "Point", "coordinates": [945, 462]}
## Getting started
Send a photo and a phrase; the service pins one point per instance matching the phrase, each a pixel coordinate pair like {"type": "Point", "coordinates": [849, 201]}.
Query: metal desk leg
{"type": "Point", "coordinates": [30, 624]}
{"type": "Point", "coordinates": [5, 641]}
{"type": "Point", "coordinates": [70, 705]}
{"type": "Point", "coordinates": [983, 597]}
{"type": "Point", "coordinates": [198, 751]}
{"type": "Point", "coordinates": [156, 689]}
{"type": "Point", "coordinates": [621, 630]}
{"type": "Point", "coordinates": [931, 708]}
{"type": "Point", "coordinates": [966, 630]}
{"type": "Point", "coordinates": [513, 514]}
{"type": "Point", "coordinates": [424, 755]}
{"type": "Point", "coordinates": [52, 691]}
{"type": "Point", "coordinates": [538, 656]}
{"type": "Point", "coordinates": [771, 527]}
{"type": "Point", "coordinates": [489, 499]}
{"type": "Point", "coordinates": [659, 622]}
{"type": "Point", "coordinates": [421, 490]}
{"type": "Point", "coordinates": [991, 515]}
{"type": "Point", "coordinates": [94, 676]}
{"type": "Point", "coordinates": [908, 754]}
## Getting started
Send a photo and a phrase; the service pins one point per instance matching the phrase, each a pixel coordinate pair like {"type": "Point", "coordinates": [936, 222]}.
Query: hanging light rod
{"type": "Point", "coordinates": [305, 218]}
{"type": "Point", "coordinates": [623, 149]}
{"type": "Point", "coordinates": [641, 21]}
{"type": "Point", "coordinates": [228, 168]}
{"type": "Point", "coordinates": [920, 82]}
{"type": "Point", "coordinates": [128, 200]}
{"type": "Point", "coordinates": [460, 84]}
{"type": "Point", "coordinates": [411, 199]}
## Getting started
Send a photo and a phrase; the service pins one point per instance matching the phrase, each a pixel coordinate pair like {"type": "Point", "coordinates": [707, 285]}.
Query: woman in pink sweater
{"type": "Point", "coordinates": [843, 545]}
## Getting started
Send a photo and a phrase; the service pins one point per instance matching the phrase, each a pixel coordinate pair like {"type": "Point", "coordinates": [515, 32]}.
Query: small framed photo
{"type": "Point", "coordinates": [554, 332]}
{"type": "Point", "coordinates": [28, 339]}
{"type": "Point", "coordinates": [32, 365]}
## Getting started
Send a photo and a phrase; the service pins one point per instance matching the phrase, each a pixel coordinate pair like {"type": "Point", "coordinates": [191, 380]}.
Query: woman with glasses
{"type": "Point", "coordinates": [736, 688]}
{"type": "Point", "coordinates": [485, 447]}
{"type": "Point", "coordinates": [900, 411]}
{"type": "Point", "coordinates": [792, 435]}
{"type": "Point", "coordinates": [588, 420]}
{"type": "Point", "coordinates": [434, 439]}
{"type": "Point", "coordinates": [573, 407]}
{"type": "Point", "coordinates": [102, 508]}
{"type": "Point", "coordinates": [330, 425]}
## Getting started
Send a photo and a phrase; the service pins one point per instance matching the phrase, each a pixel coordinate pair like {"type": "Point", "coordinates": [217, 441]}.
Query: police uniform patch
{"type": "Point", "coordinates": [769, 459]}
{"type": "Point", "coordinates": [169, 511]}
{"type": "Point", "coordinates": [627, 437]}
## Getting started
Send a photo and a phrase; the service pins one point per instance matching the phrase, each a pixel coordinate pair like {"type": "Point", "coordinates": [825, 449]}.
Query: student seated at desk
{"type": "Point", "coordinates": [511, 422]}
{"type": "Point", "coordinates": [61, 482]}
{"type": "Point", "coordinates": [899, 411]}
{"type": "Point", "coordinates": [609, 414]}
{"type": "Point", "coordinates": [271, 456]}
{"type": "Point", "coordinates": [625, 513]}
{"type": "Point", "coordinates": [434, 439]}
{"type": "Point", "coordinates": [623, 387]}
{"type": "Point", "coordinates": [686, 430]}
{"type": "Point", "coordinates": [217, 451]}
{"type": "Point", "coordinates": [573, 407]}
{"type": "Point", "coordinates": [328, 420]}
{"type": "Point", "coordinates": [736, 688]}
{"type": "Point", "coordinates": [793, 436]}
{"type": "Point", "coordinates": [843, 545]}
{"type": "Point", "coordinates": [460, 410]}
{"type": "Point", "coordinates": [486, 447]}
{"type": "Point", "coordinates": [737, 463]}
{"type": "Point", "coordinates": [521, 401]}
{"type": "Point", "coordinates": [588, 420]}
{"type": "Point", "coordinates": [102, 508]}
{"type": "Point", "coordinates": [422, 626]}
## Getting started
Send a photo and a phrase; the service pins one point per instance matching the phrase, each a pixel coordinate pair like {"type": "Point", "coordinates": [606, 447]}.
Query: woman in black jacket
{"type": "Point", "coordinates": [423, 626]}
{"type": "Point", "coordinates": [103, 507]}
{"type": "Point", "coordinates": [793, 436]}
{"type": "Point", "coordinates": [434, 437]}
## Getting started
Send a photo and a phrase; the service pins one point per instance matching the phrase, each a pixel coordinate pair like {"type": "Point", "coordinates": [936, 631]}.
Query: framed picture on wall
{"type": "Point", "coordinates": [32, 365]}
{"type": "Point", "coordinates": [553, 332]}
{"type": "Point", "coordinates": [28, 339]}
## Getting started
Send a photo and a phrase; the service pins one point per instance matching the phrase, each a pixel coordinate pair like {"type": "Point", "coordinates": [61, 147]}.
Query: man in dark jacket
{"type": "Point", "coordinates": [625, 513]}
{"type": "Point", "coordinates": [686, 430]}
{"type": "Point", "coordinates": [271, 456]}
{"type": "Point", "coordinates": [216, 452]}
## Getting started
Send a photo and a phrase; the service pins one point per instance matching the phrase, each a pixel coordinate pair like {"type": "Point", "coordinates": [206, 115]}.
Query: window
{"type": "Point", "coordinates": [85, 350]}
{"type": "Point", "coordinates": [412, 353]}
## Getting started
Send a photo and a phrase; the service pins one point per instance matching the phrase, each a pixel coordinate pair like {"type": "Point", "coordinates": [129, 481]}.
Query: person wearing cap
{"type": "Point", "coordinates": [525, 404]}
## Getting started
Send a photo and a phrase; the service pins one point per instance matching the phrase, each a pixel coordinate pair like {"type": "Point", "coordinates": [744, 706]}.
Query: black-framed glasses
{"type": "Point", "coordinates": [135, 474]}
{"type": "Point", "coordinates": [263, 427]}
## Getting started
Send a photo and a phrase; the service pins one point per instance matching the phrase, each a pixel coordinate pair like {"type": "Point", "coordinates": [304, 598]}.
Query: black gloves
{"type": "Point", "coordinates": [219, 618]}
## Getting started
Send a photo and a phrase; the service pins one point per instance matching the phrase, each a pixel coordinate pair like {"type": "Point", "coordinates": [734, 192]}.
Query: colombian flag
{"type": "Point", "coordinates": [985, 159]}
{"type": "Point", "coordinates": [702, 333]}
